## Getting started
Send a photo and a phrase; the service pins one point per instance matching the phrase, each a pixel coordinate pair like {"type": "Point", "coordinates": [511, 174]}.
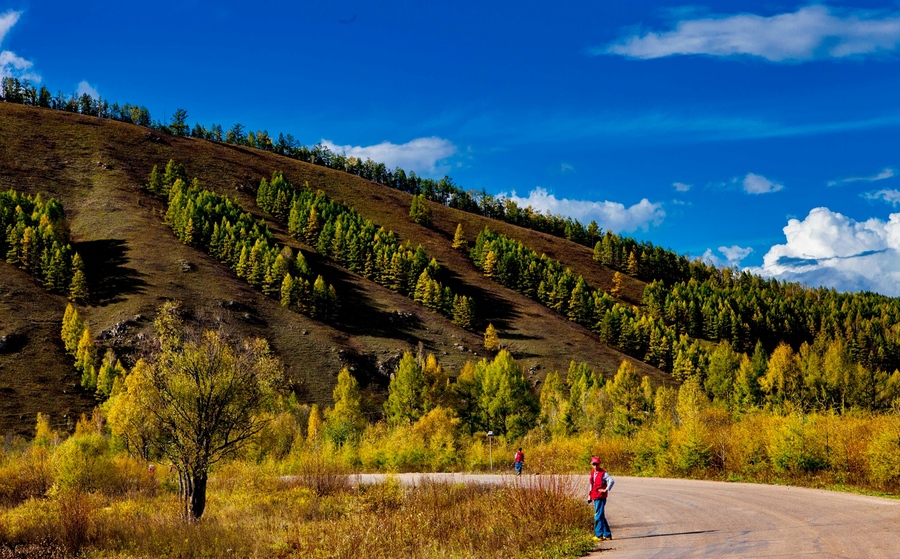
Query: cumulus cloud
{"type": "Point", "coordinates": [828, 248]}
{"type": "Point", "coordinates": [891, 196]}
{"type": "Point", "coordinates": [85, 87]}
{"type": "Point", "coordinates": [884, 174]}
{"type": "Point", "coordinates": [812, 32]}
{"type": "Point", "coordinates": [758, 184]}
{"type": "Point", "coordinates": [608, 215]}
{"type": "Point", "coordinates": [681, 187]}
{"type": "Point", "coordinates": [11, 64]}
{"type": "Point", "coordinates": [425, 156]}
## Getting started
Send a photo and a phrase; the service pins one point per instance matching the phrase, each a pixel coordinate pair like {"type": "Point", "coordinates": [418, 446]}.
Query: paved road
{"type": "Point", "coordinates": [679, 519]}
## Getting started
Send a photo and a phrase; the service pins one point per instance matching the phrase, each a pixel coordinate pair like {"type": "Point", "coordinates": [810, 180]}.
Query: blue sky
{"type": "Point", "coordinates": [761, 135]}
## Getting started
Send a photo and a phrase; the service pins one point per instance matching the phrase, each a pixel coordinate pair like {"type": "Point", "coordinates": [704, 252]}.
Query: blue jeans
{"type": "Point", "coordinates": [519, 468]}
{"type": "Point", "coordinates": [601, 526]}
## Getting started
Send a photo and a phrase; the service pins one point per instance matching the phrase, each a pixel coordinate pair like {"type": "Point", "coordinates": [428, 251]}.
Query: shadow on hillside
{"type": "Point", "coordinates": [521, 337]}
{"type": "Point", "coordinates": [358, 312]}
{"type": "Point", "coordinates": [109, 280]}
{"type": "Point", "coordinates": [489, 307]}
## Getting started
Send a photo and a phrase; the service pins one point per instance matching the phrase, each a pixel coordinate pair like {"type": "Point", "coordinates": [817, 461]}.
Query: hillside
{"type": "Point", "coordinates": [97, 168]}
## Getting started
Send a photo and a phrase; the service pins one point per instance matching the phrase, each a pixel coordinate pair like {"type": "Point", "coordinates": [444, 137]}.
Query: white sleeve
{"type": "Point", "coordinates": [609, 481]}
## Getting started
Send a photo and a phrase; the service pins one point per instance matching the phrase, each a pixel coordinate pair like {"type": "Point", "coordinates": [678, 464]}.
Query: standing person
{"type": "Point", "coordinates": [519, 461]}
{"type": "Point", "coordinates": [601, 483]}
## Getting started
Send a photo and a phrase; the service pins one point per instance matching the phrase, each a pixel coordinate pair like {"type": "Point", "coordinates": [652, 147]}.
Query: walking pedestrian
{"type": "Point", "coordinates": [519, 461]}
{"type": "Point", "coordinates": [601, 483]}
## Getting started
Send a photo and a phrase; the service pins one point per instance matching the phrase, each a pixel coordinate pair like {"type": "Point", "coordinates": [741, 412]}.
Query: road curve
{"type": "Point", "coordinates": [655, 518]}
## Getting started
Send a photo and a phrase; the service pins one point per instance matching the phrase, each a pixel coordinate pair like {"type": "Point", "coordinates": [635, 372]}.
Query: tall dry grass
{"type": "Point", "coordinates": [255, 511]}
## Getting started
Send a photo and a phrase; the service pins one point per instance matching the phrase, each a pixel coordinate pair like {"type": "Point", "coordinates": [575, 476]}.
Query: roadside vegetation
{"type": "Point", "coordinates": [247, 471]}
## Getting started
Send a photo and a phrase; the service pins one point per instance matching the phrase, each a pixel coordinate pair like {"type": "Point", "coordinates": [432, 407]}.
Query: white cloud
{"type": "Point", "coordinates": [758, 184]}
{"type": "Point", "coordinates": [891, 196]}
{"type": "Point", "coordinates": [884, 174]}
{"type": "Point", "coordinates": [734, 253]}
{"type": "Point", "coordinates": [566, 169]}
{"type": "Point", "coordinates": [423, 155]}
{"type": "Point", "coordinates": [828, 248]}
{"type": "Point", "coordinates": [11, 64]}
{"type": "Point", "coordinates": [812, 32]}
{"type": "Point", "coordinates": [85, 87]}
{"type": "Point", "coordinates": [681, 187]}
{"type": "Point", "coordinates": [7, 21]}
{"type": "Point", "coordinates": [733, 256]}
{"type": "Point", "coordinates": [608, 215]}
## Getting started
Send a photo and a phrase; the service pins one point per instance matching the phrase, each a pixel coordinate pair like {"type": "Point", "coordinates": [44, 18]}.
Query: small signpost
{"type": "Point", "coordinates": [490, 436]}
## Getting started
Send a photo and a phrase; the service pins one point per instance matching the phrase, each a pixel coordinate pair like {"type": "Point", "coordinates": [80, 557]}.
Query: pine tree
{"type": "Point", "coordinates": [78, 289]}
{"type": "Point", "coordinates": [459, 239]}
{"type": "Point", "coordinates": [319, 306]}
{"type": "Point", "coordinates": [405, 392]}
{"type": "Point", "coordinates": [314, 425]}
{"type": "Point", "coordinates": [633, 266]}
{"type": "Point", "coordinates": [72, 328]}
{"type": "Point", "coordinates": [85, 359]}
{"type": "Point", "coordinates": [287, 291]}
{"type": "Point", "coordinates": [154, 183]}
{"type": "Point", "coordinates": [312, 228]}
{"type": "Point", "coordinates": [111, 371]}
{"type": "Point", "coordinates": [419, 210]}
{"type": "Point", "coordinates": [490, 264]}
{"type": "Point", "coordinates": [580, 310]}
{"type": "Point", "coordinates": [618, 281]}
{"type": "Point", "coordinates": [491, 339]}
{"type": "Point", "coordinates": [345, 422]}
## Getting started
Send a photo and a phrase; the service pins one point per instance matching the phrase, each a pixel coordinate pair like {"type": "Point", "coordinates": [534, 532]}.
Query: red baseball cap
{"type": "Point", "coordinates": [595, 460]}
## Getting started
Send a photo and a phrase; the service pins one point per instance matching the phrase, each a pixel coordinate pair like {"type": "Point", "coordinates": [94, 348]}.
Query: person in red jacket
{"type": "Point", "coordinates": [601, 483]}
{"type": "Point", "coordinates": [519, 461]}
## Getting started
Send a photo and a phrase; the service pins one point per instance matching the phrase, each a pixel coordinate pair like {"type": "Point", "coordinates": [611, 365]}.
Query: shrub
{"type": "Point", "coordinates": [24, 476]}
{"type": "Point", "coordinates": [883, 453]}
{"type": "Point", "coordinates": [321, 475]}
{"type": "Point", "coordinates": [649, 446]}
{"type": "Point", "coordinates": [746, 451]}
{"type": "Point", "coordinates": [796, 447]}
{"type": "Point", "coordinates": [83, 463]}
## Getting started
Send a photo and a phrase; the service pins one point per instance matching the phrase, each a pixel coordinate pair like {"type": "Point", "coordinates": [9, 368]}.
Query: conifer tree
{"type": "Point", "coordinates": [78, 290]}
{"type": "Point", "coordinates": [111, 370]}
{"type": "Point", "coordinates": [633, 266]}
{"type": "Point", "coordinates": [404, 404]}
{"type": "Point", "coordinates": [287, 291]}
{"type": "Point", "coordinates": [618, 282]}
{"type": "Point", "coordinates": [72, 329]}
{"type": "Point", "coordinates": [155, 182]}
{"type": "Point", "coordinates": [553, 405]}
{"type": "Point", "coordinates": [491, 339]}
{"type": "Point", "coordinates": [628, 398]}
{"type": "Point", "coordinates": [314, 425]}
{"type": "Point", "coordinates": [85, 359]}
{"type": "Point", "coordinates": [437, 385]}
{"type": "Point", "coordinates": [419, 210]}
{"type": "Point", "coordinates": [312, 228]}
{"type": "Point", "coordinates": [459, 239]}
{"type": "Point", "coordinates": [321, 303]}
{"type": "Point", "coordinates": [507, 405]}
{"type": "Point", "coordinates": [490, 264]}
{"type": "Point", "coordinates": [344, 422]}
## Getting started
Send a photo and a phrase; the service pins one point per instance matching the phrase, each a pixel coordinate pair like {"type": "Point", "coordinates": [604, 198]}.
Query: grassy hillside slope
{"type": "Point", "coordinates": [97, 168]}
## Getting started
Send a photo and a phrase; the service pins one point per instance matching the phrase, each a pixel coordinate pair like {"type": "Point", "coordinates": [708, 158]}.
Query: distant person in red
{"type": "Point", "coordinates": [601, 483]}
{"type": "Point", "coordinates": [519, 461]}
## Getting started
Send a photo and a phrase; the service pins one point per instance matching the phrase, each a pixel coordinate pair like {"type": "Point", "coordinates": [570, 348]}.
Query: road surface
{"type": "Point", "coordinates": [678, 519]}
